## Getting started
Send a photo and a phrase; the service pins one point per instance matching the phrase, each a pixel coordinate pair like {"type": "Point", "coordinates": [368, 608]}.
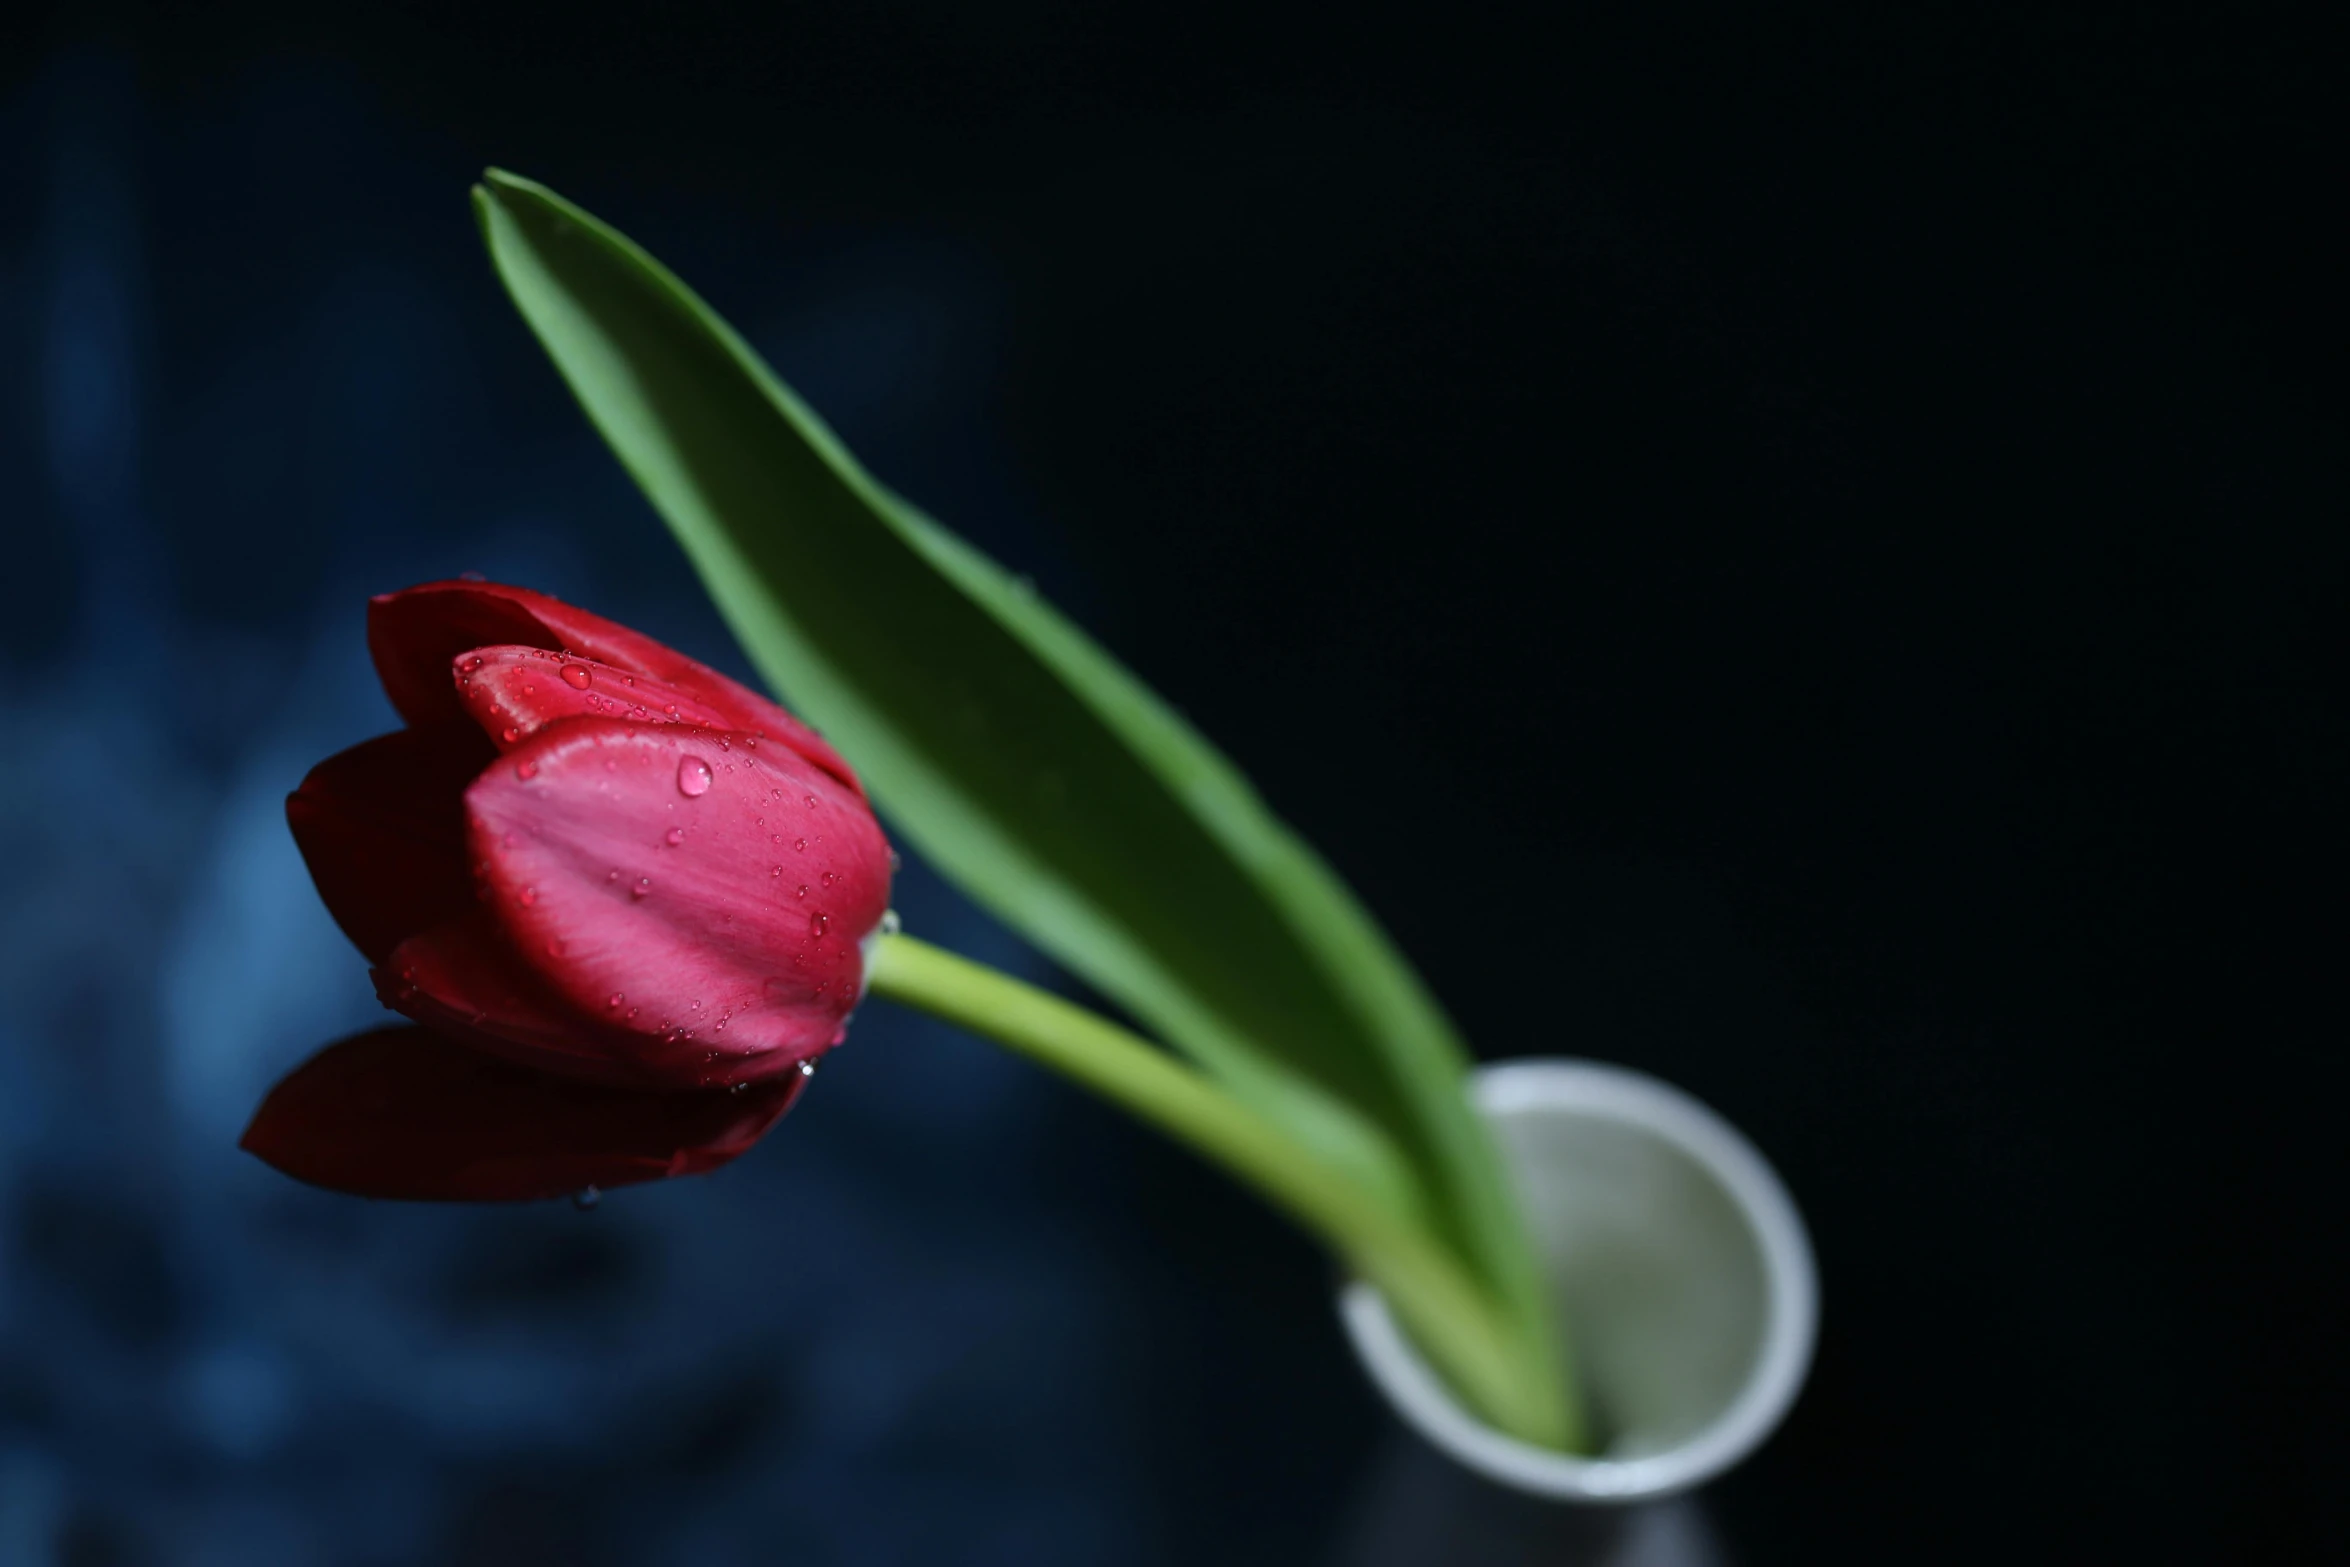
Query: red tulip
{"type": "Point", "coordinates": [592, 857]}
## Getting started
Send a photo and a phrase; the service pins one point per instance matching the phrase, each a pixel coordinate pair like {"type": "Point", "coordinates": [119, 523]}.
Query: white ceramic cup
{"type": "Point", "coordinates": [1681, 1271]}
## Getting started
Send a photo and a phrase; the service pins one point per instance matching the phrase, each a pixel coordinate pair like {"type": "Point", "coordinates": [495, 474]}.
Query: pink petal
{"type": "Point", "coordinates": [513, 692]}
{"type": "Point", "coordinates": [414, 635]}
{"type": "Point", "coordinates": [706, 894]}
{"type": "Point", "coordinates": [405, 1113]}
{"type": "Point", "coordinates": [382, 828]}
{"type": "Point", "coordinates": [465, 980]}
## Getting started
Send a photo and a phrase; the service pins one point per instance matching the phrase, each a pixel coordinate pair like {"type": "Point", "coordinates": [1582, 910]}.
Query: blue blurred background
{"type": "Point", "coordinates": [1800, 555]}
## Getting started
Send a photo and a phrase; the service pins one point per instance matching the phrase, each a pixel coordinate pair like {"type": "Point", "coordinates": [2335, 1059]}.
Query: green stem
{"type": "Point", "coordinates": [1445, 1311]}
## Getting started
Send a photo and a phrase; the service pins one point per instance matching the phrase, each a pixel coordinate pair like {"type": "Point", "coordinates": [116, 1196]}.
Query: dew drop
{"type": "Point", "coordinates": [613, 1000]}
{"type": "Point", "coordinates": [513, 735]}
{"type": "Point", "coordinates": [673, 837]}
{"type": "Point", "coordinates": [528, 689]}
{"type": "Point", "coordinates": [808, 1069]}
{"type": "Point", "coordinates": [889, 923]}
{"type": "Point", "coordinates": [828, 878]}
{"type": "Point", "coordinates": [585, 1198]}
{"type": "Point", "coordinates": [693, 777]}
{"type": "Point", "coordinates": [670, 709]}
{"type": "Point", "coordinates": [800, 844]}
{"type": "Point", "coordinates": [628, 680]}
{"type": "Point", "coordinates": [644, 885]}
{"type": "Point", "coordinates": [613, 874]}
{"type": "Point", "coordinates": [818, 924]}
{"type": "Point", "coordinates": [527, 771]}
{"type": "Point", "coordinates": [803, 892]}
{"type": "Point", "coordinates": [811, 802]}
{"type": "Point", "coordinates": [527, 896]}
{"type": "Point", "coordinates": [577, 677]}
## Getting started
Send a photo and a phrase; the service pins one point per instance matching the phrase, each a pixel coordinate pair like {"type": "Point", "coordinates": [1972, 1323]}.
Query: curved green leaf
{"type": "Point", "coordinates": [1017, 755]}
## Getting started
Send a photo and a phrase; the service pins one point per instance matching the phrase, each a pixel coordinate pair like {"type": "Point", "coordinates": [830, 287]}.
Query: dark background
{"type": "Point", "coordinates": [1796, 552]}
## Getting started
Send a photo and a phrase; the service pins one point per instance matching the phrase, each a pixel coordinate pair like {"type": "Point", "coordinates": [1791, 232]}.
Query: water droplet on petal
{"type": "Point", "coordinates": [803, 892]}
{"type": "Point", "coordinates": [528, 689]}
{"type": "Point", "coordinates": [644, 885]}
{"type": "Point", "coordinates": [577, 677]}
{"type": "Point", "coordinates": [811, 802]}
{"type": "Point", "coordinates": [585, 1198]}
{"type": "Point", "coordinates": [818, 924]}
{"type": "Point", "coordinates": [828, 878]}
{"type": "Point", "coordinates": [613, 874]}
{"type": "Point", "coordinates": [673, 837]}
{"type": "Point", "coordinates": [613, 1000]}
{"type": "Point", "coordinates": [808, 1069]}
{"type": "Point", "coordinates": [801, 844]}
{"type": "Point", "coordinates": [526, 771]}
{"type": "Point", "coordinates": [527, 896]}
{"type": "Point", "coordinates": [889, 923]}
{"type": "Point", "coordinates": [693, 777]}
{"type": "Point", "coordinates": [670, 709]}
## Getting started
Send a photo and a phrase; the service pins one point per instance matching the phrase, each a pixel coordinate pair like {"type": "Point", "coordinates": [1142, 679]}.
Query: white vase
{"type": "Point", "coordinates": [1680, 1269]}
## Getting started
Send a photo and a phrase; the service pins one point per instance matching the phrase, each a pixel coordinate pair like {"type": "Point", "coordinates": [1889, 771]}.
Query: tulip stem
{"type": "Point", "coordinates": [1446, 1312]}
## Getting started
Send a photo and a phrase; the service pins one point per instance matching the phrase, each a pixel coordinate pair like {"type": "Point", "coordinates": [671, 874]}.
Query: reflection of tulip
{"type": "Point", "coordinates": [403, 1112]}
{"type": "Point", "coordinates": [595, 858]}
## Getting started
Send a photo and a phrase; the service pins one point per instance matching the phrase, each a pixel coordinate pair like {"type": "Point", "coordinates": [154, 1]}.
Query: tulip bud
{"type": "Point", "coordinates": [591, 855]}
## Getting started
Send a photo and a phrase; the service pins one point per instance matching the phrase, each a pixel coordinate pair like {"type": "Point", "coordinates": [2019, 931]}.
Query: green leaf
{"type": "Point", "coordinates": [1015, 754]}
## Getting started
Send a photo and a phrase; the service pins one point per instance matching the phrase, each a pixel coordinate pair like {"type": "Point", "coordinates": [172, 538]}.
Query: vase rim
{"type": "Point", "coordinates": [1511, 1089]}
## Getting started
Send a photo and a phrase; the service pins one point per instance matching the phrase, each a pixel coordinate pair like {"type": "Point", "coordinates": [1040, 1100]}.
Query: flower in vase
{"type": "Point", "coordinates": [627, 898]}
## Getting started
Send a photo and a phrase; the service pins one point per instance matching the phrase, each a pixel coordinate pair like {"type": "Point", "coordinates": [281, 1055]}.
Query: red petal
{"type": "Point", "coordinates": [707, 894]}
{"type": "Point", "coordinates": [414, 635]}
{"type": "Point", "coordinates": [404, 1113]}
{"type": "Point", "coordinates": [382, 828]}
{"type": "Point", "coordinates": [464, 979]}
{"type": "Point", "coordinates": [513, 692]}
